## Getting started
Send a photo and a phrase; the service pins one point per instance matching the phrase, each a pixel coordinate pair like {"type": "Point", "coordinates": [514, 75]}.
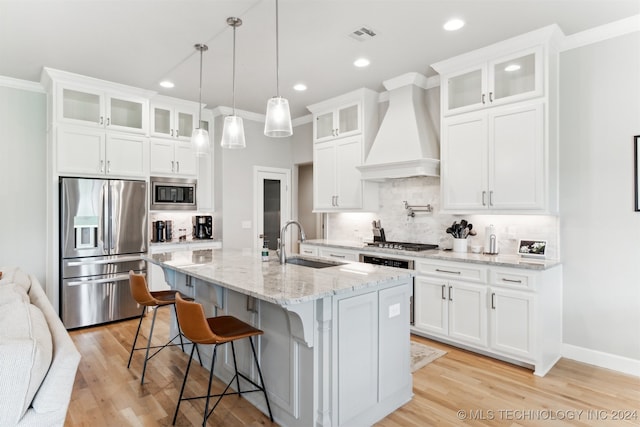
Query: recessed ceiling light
{"type": "Point", "coordinates": [453, 24]}
{"type": "Point", "coordinates": [167, 84]}
{"type": "Point", "coordinates": [300, 87]}
{"type": "Point", "coordinates": [512, 67]}
{"type": "Point", "coordinates": [361, 62]}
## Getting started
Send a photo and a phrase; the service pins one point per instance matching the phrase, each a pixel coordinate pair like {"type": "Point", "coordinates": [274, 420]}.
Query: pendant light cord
{"type": "Point", "coordinates": [233, 84]}
{"type": "Point", "coordinates": [277, 56]}
{"type": "Point", "coordinates": [201, 48]}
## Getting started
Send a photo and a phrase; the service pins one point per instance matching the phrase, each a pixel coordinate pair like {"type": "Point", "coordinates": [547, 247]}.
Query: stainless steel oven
{"type": "Point", "coordinates": [393, 262]}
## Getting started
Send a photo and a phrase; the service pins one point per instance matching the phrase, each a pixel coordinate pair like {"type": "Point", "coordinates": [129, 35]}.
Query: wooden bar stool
{"type": "Point", "coordinates": [199, 329]}
{"type": "Point", "coordinates": [155, 299]}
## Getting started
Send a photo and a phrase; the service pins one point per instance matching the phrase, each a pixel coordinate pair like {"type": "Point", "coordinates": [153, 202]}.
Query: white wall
{"type": "Point", "coordinates": [234, 175]}
{"type": "Point", "coordinates": [600, 232]}
{"type": "Point", "coordinates": [22, 180]}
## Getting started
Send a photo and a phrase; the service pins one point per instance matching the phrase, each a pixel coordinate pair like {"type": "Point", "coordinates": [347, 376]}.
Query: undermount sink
{"type": "Point", "coordinates": [312, 263]}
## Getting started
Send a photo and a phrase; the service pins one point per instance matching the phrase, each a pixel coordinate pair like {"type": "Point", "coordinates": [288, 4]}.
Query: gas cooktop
{"type": "Point", "coordinates": [403, 246]}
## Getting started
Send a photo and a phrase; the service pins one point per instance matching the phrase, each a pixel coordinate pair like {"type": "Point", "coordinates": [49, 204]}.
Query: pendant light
{"type": "Point", "coordinates": [233, 130]}
{"type": "Point", "coordinates": [278, 119]}
{"type": "Point", "coordinates": [200, 137]}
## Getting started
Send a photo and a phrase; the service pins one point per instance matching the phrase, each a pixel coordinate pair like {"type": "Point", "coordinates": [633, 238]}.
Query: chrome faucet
{"type": "Point", "coordinates": [282, 256]}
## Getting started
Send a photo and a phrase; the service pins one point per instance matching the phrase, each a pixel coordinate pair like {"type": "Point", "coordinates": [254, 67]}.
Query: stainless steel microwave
{"type": "Point", "coordinates": [173, 193]}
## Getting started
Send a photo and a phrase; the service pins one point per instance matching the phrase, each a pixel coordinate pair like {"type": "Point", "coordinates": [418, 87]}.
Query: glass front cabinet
{"type": "Point", "coordinates": [506, 79]}
{"type": "Point", "coordinates": [93, 107]}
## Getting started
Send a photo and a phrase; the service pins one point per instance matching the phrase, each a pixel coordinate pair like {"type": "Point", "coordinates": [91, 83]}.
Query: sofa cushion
{"type": "Point", "coordinates": [25, 356]}
{"type": "Point", "coordinates": [12, 293]}
{"type": "Point", "coordinates": [15, 275]}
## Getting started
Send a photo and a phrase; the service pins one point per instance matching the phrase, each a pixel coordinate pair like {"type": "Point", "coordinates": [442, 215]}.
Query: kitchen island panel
{"type": "Point", "coordinates": [311, 378]}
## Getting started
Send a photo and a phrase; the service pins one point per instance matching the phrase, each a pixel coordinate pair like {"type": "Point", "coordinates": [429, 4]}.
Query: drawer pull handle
{"type": "Point", "coordinates": [443, 296]}
{"type": "Point", "coordinates": [493, 300]}
{"type": "Point", "coordinates": [447, 271]}
{"type": "Point", "coordinates": [337, 256]}
{"type": "Point", "coordinates": [511, 280]}
{"type": "Point", "coordinates": [450, 299]}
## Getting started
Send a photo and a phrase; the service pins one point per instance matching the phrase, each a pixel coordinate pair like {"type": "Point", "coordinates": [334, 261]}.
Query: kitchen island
{"type": "Point", "coordinates": [335, 349]}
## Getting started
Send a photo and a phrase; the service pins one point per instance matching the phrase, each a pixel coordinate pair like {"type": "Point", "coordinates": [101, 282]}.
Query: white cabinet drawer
{"type": "Point", "coordinates": [308, 250]}
{"type": "Point", "coordinates": [452, 270]}
{"type": "Point", "coordinates": [514, 279]}
{"type": "Point", "coordinates": [337, 254]}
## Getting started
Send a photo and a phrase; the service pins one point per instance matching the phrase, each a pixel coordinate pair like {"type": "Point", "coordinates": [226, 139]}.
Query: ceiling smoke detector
{"type": "Point", "coordinates": [362, 33]}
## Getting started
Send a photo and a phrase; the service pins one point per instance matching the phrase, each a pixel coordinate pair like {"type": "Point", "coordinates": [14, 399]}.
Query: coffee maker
{"type": "Point", "coordinates": [158, 231]}
{"type": "Point", "coordinates": [203, 227]}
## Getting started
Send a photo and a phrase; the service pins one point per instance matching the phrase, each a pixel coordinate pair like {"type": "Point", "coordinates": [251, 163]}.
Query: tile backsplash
{"type": "Point", "coordinates": [430, 227]}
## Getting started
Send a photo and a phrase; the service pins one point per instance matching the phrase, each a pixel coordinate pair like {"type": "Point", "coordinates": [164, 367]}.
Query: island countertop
{"type": "Point", "coordinates": [245, 272]}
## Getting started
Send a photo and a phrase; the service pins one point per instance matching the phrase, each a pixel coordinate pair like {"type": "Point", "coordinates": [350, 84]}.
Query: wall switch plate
{"type": "Point", "coordinates": [246, 224]}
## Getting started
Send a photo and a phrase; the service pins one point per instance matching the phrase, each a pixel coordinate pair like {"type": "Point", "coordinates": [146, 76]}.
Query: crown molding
{"type": "Point", "coordinates": [601, 33]}
{"type": "Point", "coordinates": [21, 84]}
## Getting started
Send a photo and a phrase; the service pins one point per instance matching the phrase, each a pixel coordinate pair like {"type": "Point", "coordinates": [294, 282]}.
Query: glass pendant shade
{"type": "Point", "coordinates": [278, 119]}
{"type": "Point", "coordinates": [233, 133]}
{"type": "Point", "coordinates": [200, 141]}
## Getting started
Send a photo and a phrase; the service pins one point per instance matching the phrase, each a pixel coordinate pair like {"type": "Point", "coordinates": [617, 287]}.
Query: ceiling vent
{"type": "Point", "coordinates": [362, 34]}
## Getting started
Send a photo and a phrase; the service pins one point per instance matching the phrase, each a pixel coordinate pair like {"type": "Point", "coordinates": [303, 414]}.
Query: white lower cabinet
{"type": "Point", "coordinates": [509, 313]}
{"type": "Point", "coordinates": [452, 309]}
{"type": "Point", "coordinates": [511, 322]}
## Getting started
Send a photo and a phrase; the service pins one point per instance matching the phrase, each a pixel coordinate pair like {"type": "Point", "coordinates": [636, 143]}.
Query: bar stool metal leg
{"type": "Point", "coordinates": [133, 347]}
{"type": "Point", "coordinates": [206, 405]}
{"type": "Point", "coordinates": [235, 366]}
{"type": "Point", "coordinates": [184, 383]}
{"type": "Point", "coordinates": [264, 390]}
{"type": "Point", "coordinates": [146, 357]}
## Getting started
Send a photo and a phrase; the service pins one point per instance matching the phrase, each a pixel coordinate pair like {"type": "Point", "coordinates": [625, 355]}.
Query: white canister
{"type": "Point", "coordinates": [459, 245]}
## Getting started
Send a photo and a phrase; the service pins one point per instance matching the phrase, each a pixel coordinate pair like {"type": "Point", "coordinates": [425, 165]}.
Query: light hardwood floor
{"type": "Point", "coordinates": [487, 391]}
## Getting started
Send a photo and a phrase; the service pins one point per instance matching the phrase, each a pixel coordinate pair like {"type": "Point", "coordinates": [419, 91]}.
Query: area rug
{"type": "Point", "coordinates": [422, 355]}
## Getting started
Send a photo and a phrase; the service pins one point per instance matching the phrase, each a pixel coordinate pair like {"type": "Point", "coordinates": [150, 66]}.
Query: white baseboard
{"type": "Point", "coordinates": [622, 364]}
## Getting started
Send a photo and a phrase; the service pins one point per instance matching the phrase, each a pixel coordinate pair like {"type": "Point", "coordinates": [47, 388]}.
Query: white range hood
{"type": "Point", "coordinates": [406, 145]}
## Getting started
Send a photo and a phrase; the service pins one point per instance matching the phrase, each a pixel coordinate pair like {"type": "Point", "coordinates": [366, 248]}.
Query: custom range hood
{"type": "Point", "coordinates": [406, 144]}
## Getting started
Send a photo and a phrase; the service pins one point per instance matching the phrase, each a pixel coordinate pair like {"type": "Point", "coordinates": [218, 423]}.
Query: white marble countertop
{"type": "Point", "coordinates": [503, 260]}
{"type": "Point", "coordinates": [245, 272]}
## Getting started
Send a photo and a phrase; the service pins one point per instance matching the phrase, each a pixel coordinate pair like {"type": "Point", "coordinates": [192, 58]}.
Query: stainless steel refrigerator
{"type": "Point", "coordinates": [103, 233]}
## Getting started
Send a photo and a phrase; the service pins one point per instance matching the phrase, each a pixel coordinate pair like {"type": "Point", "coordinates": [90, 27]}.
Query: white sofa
{"type": "Point", "coordinates": [38, 360]}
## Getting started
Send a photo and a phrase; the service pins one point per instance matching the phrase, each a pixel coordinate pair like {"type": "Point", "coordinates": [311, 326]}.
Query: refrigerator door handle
{"type": "Point", "coordinates": [103, 261]}
{"type": "Point", "coordinates": [118, 278]}
{"type": "Point", "coordinates": [105, 218]}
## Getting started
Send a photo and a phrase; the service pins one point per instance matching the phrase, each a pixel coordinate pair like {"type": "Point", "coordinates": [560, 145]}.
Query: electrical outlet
{"type": "Point", "coordinates": [246, 224]}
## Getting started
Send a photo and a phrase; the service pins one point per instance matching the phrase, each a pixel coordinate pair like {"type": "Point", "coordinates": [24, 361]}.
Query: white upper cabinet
{"type": "Point", "coordinates": [173, 118]}
{"type": "Point", "coordinates": [172, 158]}
{"type": "Point", "coordinates": [93, 152]}
{"type": "Point", "coordinates": [338, 122]}
{"type": "Point", "coordinates": [97, 107]}
{"type": "Point", "coordinates": [503, 80]}
{"type": "Point", "coordinates": [343, 131]}
{"type": "Point", "coordinates": [499, 126]}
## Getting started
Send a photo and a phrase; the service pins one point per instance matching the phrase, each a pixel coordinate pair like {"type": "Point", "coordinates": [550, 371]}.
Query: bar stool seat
{"type": "Point", "coordinates": [141, 294]}
{"type": "Point", "coordinates": [199, 329]}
